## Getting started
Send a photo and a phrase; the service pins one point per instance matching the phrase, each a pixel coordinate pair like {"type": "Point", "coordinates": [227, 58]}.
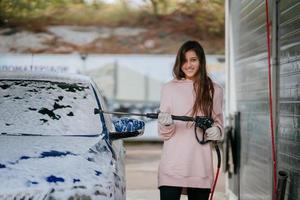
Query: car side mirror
{"type": "Point", "coordinates": [127, 127]}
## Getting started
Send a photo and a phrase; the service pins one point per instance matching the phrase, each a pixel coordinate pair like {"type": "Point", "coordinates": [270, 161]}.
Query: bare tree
{"type": "Point", "coordinates": [158, 6]}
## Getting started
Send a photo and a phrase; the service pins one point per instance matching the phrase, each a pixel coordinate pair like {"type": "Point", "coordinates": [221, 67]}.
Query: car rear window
{"type": "Point", "coordinates": [47, 108]}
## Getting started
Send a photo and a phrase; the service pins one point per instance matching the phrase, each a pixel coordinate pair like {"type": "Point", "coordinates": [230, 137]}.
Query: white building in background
{"type": "Point", "coordinates": [125, 84]}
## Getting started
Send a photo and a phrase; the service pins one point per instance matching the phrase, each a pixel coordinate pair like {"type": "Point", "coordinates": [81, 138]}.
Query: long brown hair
{"type": "Point", "coordinates": [203, 85]}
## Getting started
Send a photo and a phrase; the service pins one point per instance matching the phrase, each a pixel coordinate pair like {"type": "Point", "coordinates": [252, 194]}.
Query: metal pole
{"type": "Point", "coordinates": [146, 79]}
{"type": "Point", "coordinates": [115, 77]}
{"type": "Point", "coordinates": [275, 72]}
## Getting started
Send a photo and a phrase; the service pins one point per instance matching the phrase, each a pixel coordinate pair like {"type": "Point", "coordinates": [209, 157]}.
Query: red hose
{"type": "Point", "coordinates": [270, 101]}
{"type": "Point", "coordinates": [215, 183]}
{"type": "Point", "coordinates": [218, 170]}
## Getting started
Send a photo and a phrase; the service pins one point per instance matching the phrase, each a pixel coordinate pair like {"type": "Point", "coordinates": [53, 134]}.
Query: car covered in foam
{"type": "Point", "coordinates": [53, 145]}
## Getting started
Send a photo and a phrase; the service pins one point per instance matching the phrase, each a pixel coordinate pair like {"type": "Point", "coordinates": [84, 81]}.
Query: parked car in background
{"type": "Point", "coordinates": [53, 145]}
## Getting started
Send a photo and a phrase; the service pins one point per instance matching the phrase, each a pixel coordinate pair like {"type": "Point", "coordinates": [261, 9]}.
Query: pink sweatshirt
{"type": "Point", "coordinates": [184, 162]}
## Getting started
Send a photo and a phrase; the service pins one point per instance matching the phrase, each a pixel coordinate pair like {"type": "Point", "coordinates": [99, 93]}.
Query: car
{"type": "Point", "coordinates": [53, 143]}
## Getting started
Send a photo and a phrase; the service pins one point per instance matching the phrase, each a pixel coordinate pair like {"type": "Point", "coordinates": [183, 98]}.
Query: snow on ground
{"type": "Point", "coordinates": [23, 40]}
{"type": "Point", "coordinates": [84, 35]}
{"type": "Point", "coordinates": [79, 35]}
{"type": "Point", "coordinates": [127, 31]}
{"type": "Point", "coordinates": [73, 35]}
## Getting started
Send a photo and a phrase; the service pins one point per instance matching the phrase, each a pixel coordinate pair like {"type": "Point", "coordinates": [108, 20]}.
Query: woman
{"type": "Point", "coordinates": [186, 166]}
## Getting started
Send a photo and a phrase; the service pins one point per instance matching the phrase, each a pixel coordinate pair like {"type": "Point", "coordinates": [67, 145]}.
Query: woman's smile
{"type": "Point", "coordinates": [190, 67]}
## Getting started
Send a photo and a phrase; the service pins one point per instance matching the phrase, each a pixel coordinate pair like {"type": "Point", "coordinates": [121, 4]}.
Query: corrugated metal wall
{"type": "Point", "coordinates": [249, 62]}
{"type": "Point", "coordinates": [251, 82]}
{"type": "Point", "coordinates": [289, 97]}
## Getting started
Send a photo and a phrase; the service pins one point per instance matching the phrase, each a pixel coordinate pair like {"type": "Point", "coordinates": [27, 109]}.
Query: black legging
{"type": "Point", "coordinates": [173, 193]}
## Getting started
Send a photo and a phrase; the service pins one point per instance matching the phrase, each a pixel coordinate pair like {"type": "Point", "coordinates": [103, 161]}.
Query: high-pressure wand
{"type": "Point", "coordinates": [200, 122]}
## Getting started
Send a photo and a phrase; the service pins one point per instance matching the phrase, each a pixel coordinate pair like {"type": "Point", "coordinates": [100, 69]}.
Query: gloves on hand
{"type": "Point", "coordinates": [165, 119]}
{"type": "Point", "coordinates": [213, 133]}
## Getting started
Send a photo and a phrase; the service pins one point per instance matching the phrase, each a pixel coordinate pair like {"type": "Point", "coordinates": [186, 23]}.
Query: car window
{"type": "Point", "coordinates": [47, 108]}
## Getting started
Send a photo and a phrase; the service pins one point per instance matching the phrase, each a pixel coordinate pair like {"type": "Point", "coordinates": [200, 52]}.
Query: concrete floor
{"type": "Point", "coordinates": [142, 161]}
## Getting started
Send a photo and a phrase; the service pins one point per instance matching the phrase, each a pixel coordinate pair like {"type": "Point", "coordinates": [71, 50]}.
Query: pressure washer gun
{"type": "Point", "coordinates": [201, 122]}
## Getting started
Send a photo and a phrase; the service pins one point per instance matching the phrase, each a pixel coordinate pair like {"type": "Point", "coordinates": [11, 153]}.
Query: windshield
{"type": "Point", "coordinates": [47, 108]}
